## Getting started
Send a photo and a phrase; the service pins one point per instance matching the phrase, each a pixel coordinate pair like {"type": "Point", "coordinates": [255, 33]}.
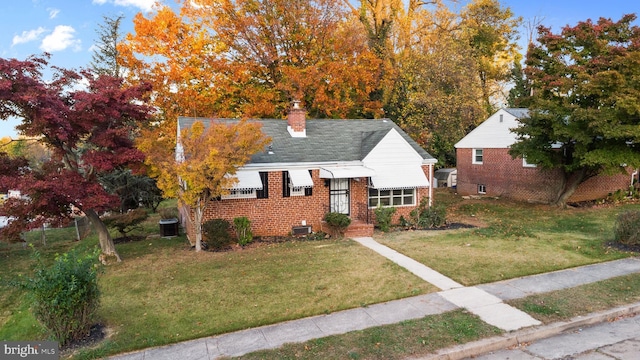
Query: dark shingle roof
{"type": "Point", "coordinates": [326, 140]}
{"type": "Point", "coordinates": [518, 112]}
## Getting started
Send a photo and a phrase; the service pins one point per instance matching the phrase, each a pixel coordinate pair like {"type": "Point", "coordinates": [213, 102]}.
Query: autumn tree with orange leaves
{"type": "Point", "coordinates": [249, 59]}
{"type": "Point", "coordinates": [208, 157]}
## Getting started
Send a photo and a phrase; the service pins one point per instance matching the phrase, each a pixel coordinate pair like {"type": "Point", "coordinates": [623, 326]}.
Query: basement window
{"type": "Point", "coordinates": [482, 189]}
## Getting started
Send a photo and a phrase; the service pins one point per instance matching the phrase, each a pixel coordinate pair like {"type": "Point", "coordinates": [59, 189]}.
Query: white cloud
{"type": "Point", "coordinates": [27, 36]}
{"type": "Point", "coordinates": [61, 38]}
{"type": "Point", "coordinates": [53, 13]}
{"type": "Point", "coordinates": [93, 48]}
{"type": "Point", "coordinates": [145, 5]}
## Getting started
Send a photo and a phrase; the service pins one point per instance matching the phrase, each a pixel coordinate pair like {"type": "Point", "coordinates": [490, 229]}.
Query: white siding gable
{"type": "Point", "coordinates": [393, 149]}
{"type": "Point", "coordinates": [492, 133]}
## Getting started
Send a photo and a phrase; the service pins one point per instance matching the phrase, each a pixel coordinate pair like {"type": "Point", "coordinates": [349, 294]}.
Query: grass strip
{"type": "Point", "coordinates": [565, 304]}
{"type": "Point", "coordinates": [397, 341]}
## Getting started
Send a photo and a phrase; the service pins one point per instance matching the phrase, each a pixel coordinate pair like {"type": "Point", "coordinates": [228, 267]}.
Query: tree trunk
{"type": "Point", "coordinates": [106, 242]}
{"type": "Point", "coordinates": [198, 225]}
{"type": "Point", "coordinates": [571, 181]}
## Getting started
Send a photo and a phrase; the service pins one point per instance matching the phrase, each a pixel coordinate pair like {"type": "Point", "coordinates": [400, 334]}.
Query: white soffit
{"type": "Point", "coordinates": [247, 180]}
{"type": "Point", "coordinates": [399, 177]}
{"type": "Point", "coordinates": [345, 172]}
{"type": "Point", "coordinates": [300, 178]}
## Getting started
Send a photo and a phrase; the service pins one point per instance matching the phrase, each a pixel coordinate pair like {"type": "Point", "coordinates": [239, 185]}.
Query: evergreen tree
{"type": "Point", "coordinates": [105, 57]}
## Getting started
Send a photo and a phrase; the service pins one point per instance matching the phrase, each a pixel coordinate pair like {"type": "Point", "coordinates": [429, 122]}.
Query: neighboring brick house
{"type": "Point", "coordinates": [313, 167]}
{"type": "Point", "coordinates": [485, 166]}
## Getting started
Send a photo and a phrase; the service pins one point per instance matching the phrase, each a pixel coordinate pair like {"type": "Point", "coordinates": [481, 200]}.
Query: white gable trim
{"type": "Point", "coordinates": [493, 133]}
{"type": "Point", "coordinates": [393, 149]}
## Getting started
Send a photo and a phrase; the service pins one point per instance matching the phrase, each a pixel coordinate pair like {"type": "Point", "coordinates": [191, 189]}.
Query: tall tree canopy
{"type": "Point", "coordinates": [491, 31]}
{"type": "Point", "coordinates": [442, 72]}
{"type": "Point", "coordinates": [88, 131]}
{"type": "Point", "coordinates": [248, 58]}
{"type": "Point", "coordinates": [132, 189]}
{"type": "Point", "coordinates": [207, 160]}
{"type": "Point", "coordinates": [585, 111]}
{"type": "Point", "coordinates": [436, 98]}
{"type": "Point", "coordinates": [105, 58]}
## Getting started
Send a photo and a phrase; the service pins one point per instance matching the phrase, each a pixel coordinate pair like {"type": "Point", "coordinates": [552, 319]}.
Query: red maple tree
{"type": "Point", "coordinates": [88, 122]}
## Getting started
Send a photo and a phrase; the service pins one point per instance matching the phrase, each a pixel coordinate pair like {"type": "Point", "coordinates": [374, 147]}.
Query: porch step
{"type": "Point", "coordinates": [358, 229]}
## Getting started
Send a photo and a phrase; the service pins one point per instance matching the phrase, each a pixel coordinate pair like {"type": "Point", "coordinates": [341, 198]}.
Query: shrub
{"type": "Point", "coordinates": [168, 213]}
{"type": "Point", "coordinates": [215, 233]}
{"type": "Point", "coordinates": [425, 217]}
{"type": "Point", "coordinates": [627, 228]}
{"type": "Point", "coordinates": [243, 230]}
{"type": "Point", "coordinates": [404, 222]}
{"type": "Point", "coordinates": [318, 235]}
{"type": "Point", "coordinates": [126, 222]}
{"type": "Point", "coordinates": [618, 196]}
{"type": "Point", "coordinates": [66, 295]}
{"type": "Point", "coordinates": [383, 217]}
{"type": "Point", "coordinates": [337, 221]}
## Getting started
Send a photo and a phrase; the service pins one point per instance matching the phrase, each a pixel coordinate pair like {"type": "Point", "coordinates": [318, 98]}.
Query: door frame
{"type": "Point", "coordinates": [338, 190]}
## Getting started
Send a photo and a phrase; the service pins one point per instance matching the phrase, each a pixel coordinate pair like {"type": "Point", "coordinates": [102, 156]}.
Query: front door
{"type": "Point", "coordinates": [339, 196]}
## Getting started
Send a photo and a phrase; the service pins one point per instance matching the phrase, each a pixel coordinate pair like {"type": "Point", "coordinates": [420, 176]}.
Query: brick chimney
{"type": "Point", "coordinates": [296, 120]}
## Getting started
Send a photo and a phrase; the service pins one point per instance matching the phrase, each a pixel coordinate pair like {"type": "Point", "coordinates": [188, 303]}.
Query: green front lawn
{"type": "Point", "coordinates": [512, 240]}
{"type": "Point", "coordinates": [164, 292]}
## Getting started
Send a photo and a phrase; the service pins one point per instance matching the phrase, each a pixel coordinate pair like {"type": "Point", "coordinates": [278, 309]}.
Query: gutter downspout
{"type": "Point", "coordinates": [430, 184]}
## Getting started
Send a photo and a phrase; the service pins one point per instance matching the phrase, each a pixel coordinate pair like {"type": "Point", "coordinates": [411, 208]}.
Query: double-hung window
{"type": "Point", "coordinates": [395, 197]}
{"type": "Point", "coordinates": [478, 156]}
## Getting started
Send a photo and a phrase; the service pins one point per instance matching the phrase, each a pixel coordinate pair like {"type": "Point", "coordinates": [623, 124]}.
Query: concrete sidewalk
{"type": "Point", "coordinates": [483, 300]}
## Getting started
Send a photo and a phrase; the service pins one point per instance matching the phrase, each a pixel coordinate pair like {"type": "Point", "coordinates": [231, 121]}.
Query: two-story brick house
{"type": "Point", "coordinates": [486, 168]}
{"type": "Point", "coordinates": [315, 166]}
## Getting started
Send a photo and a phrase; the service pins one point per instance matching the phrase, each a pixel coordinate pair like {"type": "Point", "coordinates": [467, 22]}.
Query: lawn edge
{"type": "Point", "coordinates": [515, 338]}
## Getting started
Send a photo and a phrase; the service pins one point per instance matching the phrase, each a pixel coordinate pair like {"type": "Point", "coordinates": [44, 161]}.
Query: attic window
{"type": "Point", "coordinates": [478, 156]}
{"type": "Point", "coordinates": [501, 117]}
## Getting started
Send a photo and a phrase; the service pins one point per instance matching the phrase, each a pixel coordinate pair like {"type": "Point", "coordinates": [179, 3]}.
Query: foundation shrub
{"type": "Point", "coordinates": [243, 230]}
{"type": "Point", "coordinates": [337, 222]}
{"type": "Point", "coordinates": [216, 234]}
{"type": "Point", "coordinates": [384, 216]}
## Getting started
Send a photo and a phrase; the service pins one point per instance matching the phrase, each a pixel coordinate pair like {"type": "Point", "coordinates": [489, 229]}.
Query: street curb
{"type": "Point", "coordinates": [528, 335]}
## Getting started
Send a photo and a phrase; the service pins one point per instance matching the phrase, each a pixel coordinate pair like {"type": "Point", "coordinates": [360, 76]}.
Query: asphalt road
{"type": "Point", "coordinates": [617, 339]}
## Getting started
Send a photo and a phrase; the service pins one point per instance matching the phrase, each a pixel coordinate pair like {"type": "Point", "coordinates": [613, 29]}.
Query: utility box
{"type": "Point", "coordinates": [169, 227]}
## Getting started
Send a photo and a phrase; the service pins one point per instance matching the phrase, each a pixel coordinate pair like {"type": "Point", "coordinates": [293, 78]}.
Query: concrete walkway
{"type": "Point", "coordinates": [483, 300]}
{"type": "Point", "coordinates": [488, 307]}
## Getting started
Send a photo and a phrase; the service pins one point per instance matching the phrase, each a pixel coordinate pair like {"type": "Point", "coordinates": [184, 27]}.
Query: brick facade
{"type": "Point", "coordinates": [507, 177]}
{"type": "Point", "coordinates": [276, 215]}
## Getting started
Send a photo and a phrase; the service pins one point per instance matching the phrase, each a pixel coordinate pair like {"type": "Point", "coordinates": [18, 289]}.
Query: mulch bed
{"type": "Point", "coordinates": [97, 334]}
{"type": "Point", "coordinates": [623, 247]}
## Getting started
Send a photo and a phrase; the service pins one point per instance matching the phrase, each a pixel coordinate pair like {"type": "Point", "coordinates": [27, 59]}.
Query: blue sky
{"type": "Point", "coordinates": [67, 28]}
